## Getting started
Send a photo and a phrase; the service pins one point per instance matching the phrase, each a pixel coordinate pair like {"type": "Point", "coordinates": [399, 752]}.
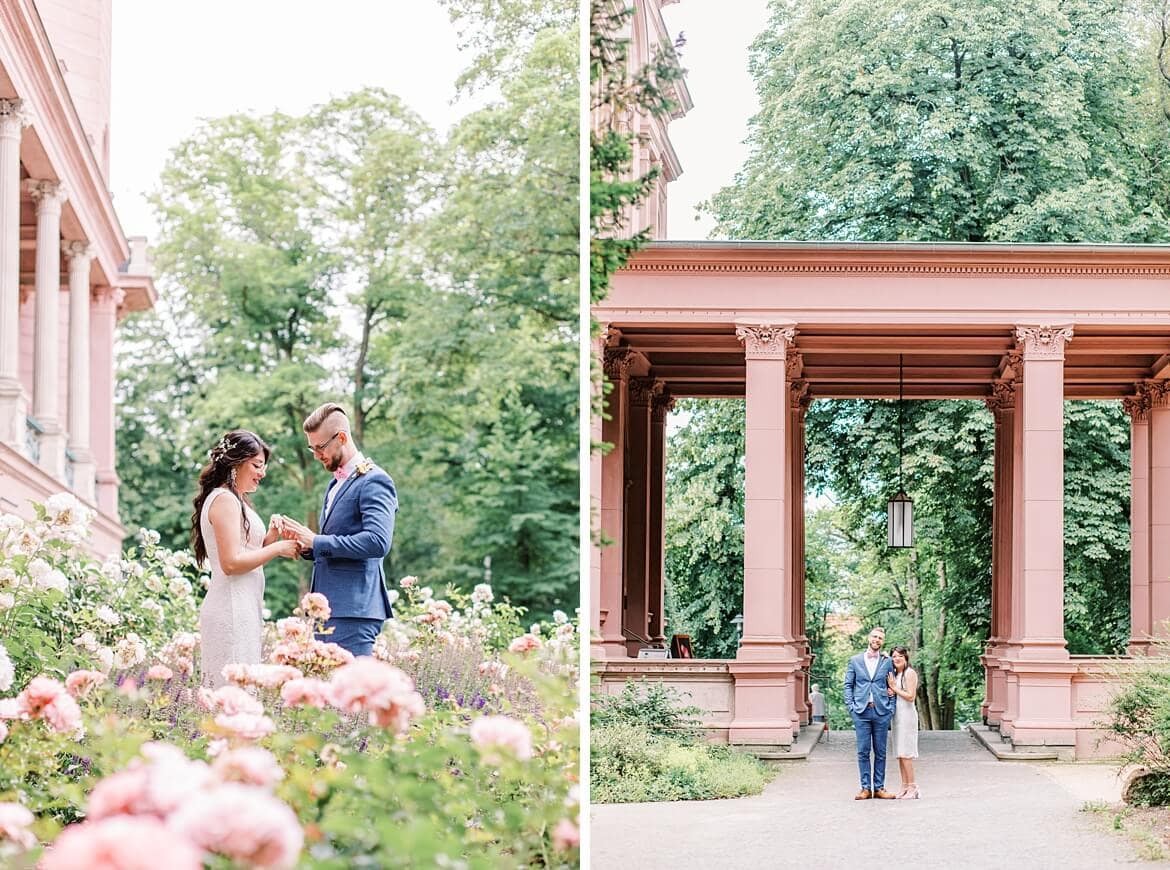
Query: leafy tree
{"type": "Point", "coordinates": [963, 121]}
{"type": "Point", "coordinates": [430, 284]}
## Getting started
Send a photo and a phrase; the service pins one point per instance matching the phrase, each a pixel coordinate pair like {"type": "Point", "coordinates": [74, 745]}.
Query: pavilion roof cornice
{"type": "Point", "coordinates": [943, 258]}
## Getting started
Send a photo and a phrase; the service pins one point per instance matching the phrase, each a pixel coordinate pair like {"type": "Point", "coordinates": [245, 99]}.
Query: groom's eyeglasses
{"type": "Point", "coordinates": [319, 447]}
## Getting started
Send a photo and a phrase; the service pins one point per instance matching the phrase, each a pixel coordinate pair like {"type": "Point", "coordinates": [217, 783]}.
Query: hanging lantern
{"type": "Point", "coordinates": [900, 510]}
{"type": "Point", "coordinates": [900, 521]}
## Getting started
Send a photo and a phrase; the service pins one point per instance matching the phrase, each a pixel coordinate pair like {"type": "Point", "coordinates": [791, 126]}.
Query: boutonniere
{"type": "Point", "coordinates": [363, 467]}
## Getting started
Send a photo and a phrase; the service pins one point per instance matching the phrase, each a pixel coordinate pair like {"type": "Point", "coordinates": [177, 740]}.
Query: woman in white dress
{"type": "Point", "coordinates": [903, 682]}
{"type": "Point", "coordinates": [227, 534]}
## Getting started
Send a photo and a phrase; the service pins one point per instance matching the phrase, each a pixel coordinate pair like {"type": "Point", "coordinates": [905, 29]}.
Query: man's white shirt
{"type": "Point", "coordinates": [353, 463]}
{"type": "Point", "coordinates": [871, 666]}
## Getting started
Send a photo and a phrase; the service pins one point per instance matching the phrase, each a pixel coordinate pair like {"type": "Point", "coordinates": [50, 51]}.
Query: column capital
{"type": "Point", "coordinates": [798, 394]}
{"type": "Point", "coordinates": [766, 340]}
{"type": "Point", "coordinates": [643, 391]}
{"type": "Point", "coordinates": [793, 363]}
{"type": "Point", "coordinates": [1155, 393]}
{"type": "Point", "coordinates": [79, 252]}
{"type": "Point", "coordinates": [1043, 342]}
{"type": "Point", "coordinates": [617, 362]}
{"type": "Point", "coordinates": [661, 403]}
{"type": "Point", "coordinates": [47, 194]}
{"type": "Point", "coordinates": [1002, 398]}
{"type": "Point", "coordinates": [109, 295]}
{"type": "Point", "coordinates": [1138, 407]}
{"type": "Point", "coordinates": [13, 117]}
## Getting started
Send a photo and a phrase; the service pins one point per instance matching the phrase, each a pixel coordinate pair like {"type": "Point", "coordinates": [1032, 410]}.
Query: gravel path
{"type": "Point", "coordinates": [975, 812]}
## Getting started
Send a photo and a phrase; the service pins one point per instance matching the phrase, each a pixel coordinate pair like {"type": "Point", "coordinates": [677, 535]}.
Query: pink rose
{"type": "Point", "coordinates": [249, 765]}
{"type": "Point", "coordinates": [525, 643]}
{"type": "Point", "coordinates": [245, 726]}
{"type": "Point", "coordinates": [160, 672]}
{"type": "Point", "coordinates": [14, 825]}
{"type": "Point", "coordinates": [315, 606]}
{"type": "Point", "coordinates": [81, 683]}
{"type": "Point", "coordinates": [382, 690]}
{"type": "Point", "coordinates": [3, 731]}
{"type": "Point", "coordinates": [305, 693]}
{"type": "Point", "coordinates": [262, 676]}
{"type": "Point", "coordinates": [119, 794]}
{"type": "Point", "coordinates": [566, 835]}
{"type": "Point", "coordinates": [490, 733]}
{"type": "Point", "coordinates": [62, 714]}
{"type": "Point", "coordinates": [294, 629]}
{"type": "Point", "coordinates": [121, 843]}
{"type": "Point", "coordinates": [245, 823]}
{"type": "Point", "coordinates": [10, 709]}
{"type": "Point", "coordinates": [38, 694]}
{"type": "Point", "coordinates": [233, 700]}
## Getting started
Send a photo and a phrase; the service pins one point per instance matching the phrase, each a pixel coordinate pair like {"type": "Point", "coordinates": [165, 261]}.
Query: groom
{"type": "Point", "coordinates": [357, 527]}
{"type": "Point", "coordinates": [871, 704]}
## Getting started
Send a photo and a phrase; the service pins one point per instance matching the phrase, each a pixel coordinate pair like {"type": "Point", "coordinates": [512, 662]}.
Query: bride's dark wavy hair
{"type": "Point", "coordinates": [234, 448]}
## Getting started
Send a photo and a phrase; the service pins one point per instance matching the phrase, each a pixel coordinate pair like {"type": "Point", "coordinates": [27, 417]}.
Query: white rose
{"type": "Point", "coordinates": [62, 507]}
{"type": "Point", "coordinates": [7, 600]}
{"type": "Point", "coordinates": [180, 588]}
{"type": "Point", "coordinates": [154, 583]}
{"type": "Point", "coordinates": [559, 617]}
{"type": "Point", "coordinates": [7, 671]}
{"type": "Point", "coordinates": [154, 608]}
{"type": "Point", "coordinates": [7, 577]}
{"type": "Point", "coordinates": [112, 570]}
{"type": "Point", "coordinates": [54, 580]}
{"type": "Point", "coordinates": [107, 615]}
{"type": "Point", "coordinates": [149, 536]}
{"type": "Point", "coordinates": [105, 657]}
{"type": "Point", "coordinates": [86, 640]}
{"type": "Point", "coordinates": [394, 596]}
{"type": "Point", "coordinates": [171, 572]}
{"type": "Point", "coordinates": [38, 569]}
{"type": "Point", "coordinates": [482, 594]}
{"type": "Point", "coordinates": [425, 593]}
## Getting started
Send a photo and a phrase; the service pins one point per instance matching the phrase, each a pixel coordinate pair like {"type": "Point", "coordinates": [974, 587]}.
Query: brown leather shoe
{"type": "Point", "coordinates": [863, 795]}
{"type": "Point", "coordinates": [882, 794]}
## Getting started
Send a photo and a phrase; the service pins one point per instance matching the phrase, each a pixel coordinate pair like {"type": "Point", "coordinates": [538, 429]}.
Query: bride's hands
{"type": "Point", "coordinates": [288, 549]}
{"type": "Point", "coordinates": [275, 529]}
{"type": "Point", "coordinates": [892, 685]}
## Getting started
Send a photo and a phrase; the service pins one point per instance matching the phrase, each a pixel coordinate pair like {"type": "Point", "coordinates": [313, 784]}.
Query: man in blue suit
{"type": "Point", "coordinates": [871, 704]}
{"type": "Point", "coordinates": [357, 529]}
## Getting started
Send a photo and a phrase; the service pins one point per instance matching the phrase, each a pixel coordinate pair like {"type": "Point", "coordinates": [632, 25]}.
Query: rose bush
{"type": "Point", "coordinates": [442, 749]}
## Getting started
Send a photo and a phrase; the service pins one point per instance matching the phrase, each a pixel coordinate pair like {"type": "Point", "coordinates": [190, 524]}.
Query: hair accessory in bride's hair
{"type": "Point", "coordinates": [219, 451]}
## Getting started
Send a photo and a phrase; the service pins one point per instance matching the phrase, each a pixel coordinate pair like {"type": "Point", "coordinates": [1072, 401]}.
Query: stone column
{"type": "Point", "coordinates": [1040, 657]}
{"type": "Point", "coordinates": [637, 514]}
{"type": "Point", "coordinates": [798, 406]}
{"type": "Point", "coordinates": [660, 405]}
{"type": "Point", "coordinates": [613, 495]}
{"type": "Point", "coordinates": [80, 254]}
{"type": "Point", "coordinates": [1013, 600]}
{"type": "Point", "coordinates": [13, 399]}
{"type": "Point", "coordinates": [1159, 506]}
{"type": "Point", "coordinates": [103, 320]}
{"type": "Point", "coordinates": [766, 662]}
{"type": "Point", "coordinates": [1140, 628]}
{"type": "Point", "coordinates": [1001, 403]}
{"type": "Point", "coordinates": [596, 438]}
{"type": "Point", "coordinates": [49, 197]}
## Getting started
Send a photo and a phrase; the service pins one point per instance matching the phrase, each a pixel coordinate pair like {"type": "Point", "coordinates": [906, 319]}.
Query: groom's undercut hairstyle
{"type": "Point", "coordinates": [315, 420]}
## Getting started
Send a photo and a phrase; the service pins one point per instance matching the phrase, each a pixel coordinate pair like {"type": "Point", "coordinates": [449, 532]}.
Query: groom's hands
{"type": "Point", "coordinates": [294, 531]}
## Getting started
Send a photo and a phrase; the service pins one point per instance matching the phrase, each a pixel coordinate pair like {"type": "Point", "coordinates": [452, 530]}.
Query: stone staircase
{"type": "Point", "coordinates": [1003, 749]}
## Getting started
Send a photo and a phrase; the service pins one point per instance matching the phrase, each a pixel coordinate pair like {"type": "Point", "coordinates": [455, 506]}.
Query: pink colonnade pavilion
{"type": "Point", "coordinates": [1022, 327]}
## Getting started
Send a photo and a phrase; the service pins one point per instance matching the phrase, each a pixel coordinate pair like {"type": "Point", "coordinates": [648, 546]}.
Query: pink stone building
{"type": "Point", "coordinates": [781, 324]}
{"type": "Point", "coordinates": [68, 272]}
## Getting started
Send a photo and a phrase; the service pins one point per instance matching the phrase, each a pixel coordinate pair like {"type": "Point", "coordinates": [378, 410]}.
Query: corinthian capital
{"type": "Point", "coordinates": [617, 362]}
{"type": "Point", "coordinates": [1138, 407]}
{"type": "Point", "coordinates": [1043, 342]}
{"type": "Point", "coordinates": [765, 340]}
{"type": "Point", "coordinates": [78, 252]}
{"type": "Point", "coordinates": [13, 116]}
{"type": "Point", "coordinates": [46, 193]}
{"type": "Point", "coordinates": [643, 391]}
{"type": "Point", "coordinates": [661, 404]}
{"type": "Point", "coordinates": [1003, 396]}
{"type": "Point", "coordinates": [1155, 393]}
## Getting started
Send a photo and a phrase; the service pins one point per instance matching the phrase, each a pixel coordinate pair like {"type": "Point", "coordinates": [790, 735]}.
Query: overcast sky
{"type": "Point", "coordinates": [709, 140]}
{"type": "Point", "coordinates": [174, 63]}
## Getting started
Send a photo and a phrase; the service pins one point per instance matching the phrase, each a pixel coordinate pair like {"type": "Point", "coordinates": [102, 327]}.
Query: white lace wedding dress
{"type": "Point", "coordinates": [905, 730]}
{"type": "Point", "coordinates": [231, 620]}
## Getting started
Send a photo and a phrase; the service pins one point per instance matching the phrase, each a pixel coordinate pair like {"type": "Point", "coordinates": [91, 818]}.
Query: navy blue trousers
{"type": "Point", "coordinates": [871, 731]}
{"type": "Point", "coordinates": [353, 633]}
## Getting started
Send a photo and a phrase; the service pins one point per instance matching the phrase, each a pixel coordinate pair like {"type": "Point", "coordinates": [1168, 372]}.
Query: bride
{"type": "Point", "coordinates": [228, 533]}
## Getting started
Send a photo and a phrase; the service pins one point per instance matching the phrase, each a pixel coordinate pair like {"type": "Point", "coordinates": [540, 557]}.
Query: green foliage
{"type": "Point", "coordinates": [430, 286]}
{"type": "Point", "coordinates": [654, 706]}
{"type": "Point", "coordinates": [961, 121]}
{"type": "Point", "coordinates": [1139, 720]}
{"type": "Point", "coordinates": [631, 763]}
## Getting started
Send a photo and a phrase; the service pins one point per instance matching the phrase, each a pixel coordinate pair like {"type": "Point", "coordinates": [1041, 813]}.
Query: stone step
{"type": "Point", "coordinates": [1002, 748]}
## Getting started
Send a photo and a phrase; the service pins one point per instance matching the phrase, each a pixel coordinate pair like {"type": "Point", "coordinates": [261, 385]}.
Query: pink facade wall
{"type": "Point", "coordinates": [81, 36]}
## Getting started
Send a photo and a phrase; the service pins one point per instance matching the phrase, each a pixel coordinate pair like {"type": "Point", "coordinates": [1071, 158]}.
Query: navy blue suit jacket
{"type": "Point", "coordinates": [858, 686]}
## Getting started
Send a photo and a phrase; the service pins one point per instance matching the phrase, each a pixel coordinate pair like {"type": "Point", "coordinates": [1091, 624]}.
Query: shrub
{"type": "Point", "coordinates": [1139, 719]}
{"type": "Point", "coordinates": [646, 746]}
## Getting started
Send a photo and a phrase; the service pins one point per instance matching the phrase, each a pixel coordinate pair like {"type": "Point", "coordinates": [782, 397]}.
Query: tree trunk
{"type": "Point", "coordinates": [358, 421]}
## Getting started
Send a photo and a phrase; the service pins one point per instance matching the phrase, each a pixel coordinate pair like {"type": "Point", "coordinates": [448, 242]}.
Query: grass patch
{"type": "Point", "coordinates": [1147, 828]}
